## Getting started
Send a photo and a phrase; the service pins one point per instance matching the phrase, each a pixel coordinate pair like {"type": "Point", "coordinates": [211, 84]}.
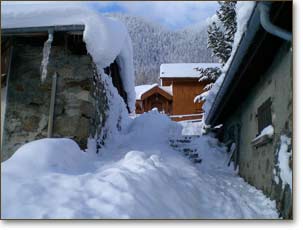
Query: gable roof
{"type": "Point", "coordinates": [144, 91]}
{"type": "Point", "coordinates": [141, 89]}
{"type": "Point", "coordinates": [183, 70]}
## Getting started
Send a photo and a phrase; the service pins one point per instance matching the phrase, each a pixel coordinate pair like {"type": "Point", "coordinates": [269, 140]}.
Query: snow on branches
{"type": "Point", "coordinates": [221, 31]}
{"type": "Point", "coordinates": [210, 74]}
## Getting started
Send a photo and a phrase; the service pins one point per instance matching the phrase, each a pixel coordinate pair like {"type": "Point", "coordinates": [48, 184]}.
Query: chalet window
{"type": "Point", "coordinates": [264, 115]}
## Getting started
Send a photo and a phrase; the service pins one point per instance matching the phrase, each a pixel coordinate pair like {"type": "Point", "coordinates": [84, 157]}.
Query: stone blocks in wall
{"type": "Point", "coordinates": [28, 99]}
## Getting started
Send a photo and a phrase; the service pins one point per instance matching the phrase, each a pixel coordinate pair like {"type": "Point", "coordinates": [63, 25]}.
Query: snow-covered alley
{"type": "Point", "coordinates": [139, 174]}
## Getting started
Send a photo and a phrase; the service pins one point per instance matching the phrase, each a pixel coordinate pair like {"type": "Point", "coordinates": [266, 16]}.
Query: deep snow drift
{"type": "Point", "coordinates": [191, 127]}
{"type": "Point", "coordinates": [138, 175]}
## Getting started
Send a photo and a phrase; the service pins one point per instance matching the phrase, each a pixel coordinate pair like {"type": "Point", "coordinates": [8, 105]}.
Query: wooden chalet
{"type": "Point", "coordinates": [183, 78]}
{"type": "Point", "coordinates": [153, 96]}
{"type": "Point", "coordinates": [175, 96]}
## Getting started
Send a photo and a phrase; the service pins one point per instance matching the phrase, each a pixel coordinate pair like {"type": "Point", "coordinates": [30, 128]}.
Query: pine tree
{"type": "Point", "coordinates": [221, 33]}
{"type": "Point", "coordinates": [209, 75]}
{"type": "Point", "coordinates": [216, 42]}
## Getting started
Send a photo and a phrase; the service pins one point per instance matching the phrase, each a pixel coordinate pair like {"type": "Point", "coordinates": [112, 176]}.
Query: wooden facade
{"type": "Point", "coordinates": [154, 98]}
{"type": "Point", "coordinates": [184, 92]}
{"type": "Point", "coordinates": [179, 103]}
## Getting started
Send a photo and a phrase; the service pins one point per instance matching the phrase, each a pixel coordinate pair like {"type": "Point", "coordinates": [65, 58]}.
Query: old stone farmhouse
{"type": "Point", "coordinates": [69, 100]}
{"type": "Point", "coordinates": [255, 103]}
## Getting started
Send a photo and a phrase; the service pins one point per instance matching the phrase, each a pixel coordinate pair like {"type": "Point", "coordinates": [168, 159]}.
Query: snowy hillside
{"type": "Point", "coordinates": [154, 45]}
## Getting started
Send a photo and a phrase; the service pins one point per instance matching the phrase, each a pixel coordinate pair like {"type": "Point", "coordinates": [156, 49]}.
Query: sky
{"type": "Point", "coordinates": [172, 15]}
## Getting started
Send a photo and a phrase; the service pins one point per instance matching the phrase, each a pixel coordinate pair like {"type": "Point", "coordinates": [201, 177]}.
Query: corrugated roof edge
{"type": "Point", "coordinates": [252, 27]}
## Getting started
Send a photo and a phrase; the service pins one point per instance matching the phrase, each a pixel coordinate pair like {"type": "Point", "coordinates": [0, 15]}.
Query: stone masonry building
{"type": "Point", "coordinates": [255, 100]}
{"type": "Point", "coordinates": [80, 99]}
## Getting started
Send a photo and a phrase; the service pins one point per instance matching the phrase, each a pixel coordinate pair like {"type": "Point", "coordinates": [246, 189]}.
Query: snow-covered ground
{"type": "Point", "coordinates": [191, 128]}
{"type": "Point", "coordinates": [138, 175]}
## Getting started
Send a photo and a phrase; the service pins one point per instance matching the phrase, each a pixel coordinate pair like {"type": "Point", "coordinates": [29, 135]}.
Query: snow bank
{"type": "Point", "coordinates": [191, 128]}
{"type": "Point", "coordinates": [106, 39]}
{"type": "Point", "coordinates": [244, 10]}
{"type": "Point", "coordinates": [140, 176]}
{"type": "Point", "coordinates": [46, 156]}
{"type": "Point", "coordinates": [184, 69]}
{"type": "Point", "coordinates": [154, 127]}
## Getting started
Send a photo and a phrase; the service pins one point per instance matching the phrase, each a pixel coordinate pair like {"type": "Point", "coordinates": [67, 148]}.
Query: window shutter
{"type": "Point", "coordinates": [264, 115]}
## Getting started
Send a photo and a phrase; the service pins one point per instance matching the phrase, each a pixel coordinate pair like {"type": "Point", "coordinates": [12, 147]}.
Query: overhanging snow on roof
{"type": "Point", "coordinates": [184, 70]}
{"type": "Point", "coordinates": [106, 39]}
{"type": "Point", "coordinates": [141, 89]}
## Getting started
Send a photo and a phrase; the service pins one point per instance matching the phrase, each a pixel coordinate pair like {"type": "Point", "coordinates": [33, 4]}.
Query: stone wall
{"type": "Point", "coordinates": [28, 99]}
{"type": "Point", "coordinates": [256, 165]}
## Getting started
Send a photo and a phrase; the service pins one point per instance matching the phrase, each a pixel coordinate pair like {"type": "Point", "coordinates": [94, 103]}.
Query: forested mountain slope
{"type": "Point", "coordinates": [154, 45]}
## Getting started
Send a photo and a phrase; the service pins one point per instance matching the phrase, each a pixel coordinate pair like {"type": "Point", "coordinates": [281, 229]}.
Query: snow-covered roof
{"type": "Point", "coordinates": [167, 89]}
{"type": "Point", "coordinates": [141, 89]}
{"type": "Point", "coordinates": [106, 39]}
{"type": "Point", "coordinates": [183, 70]}
{"type": "Point", "coordinates": [248, 23]}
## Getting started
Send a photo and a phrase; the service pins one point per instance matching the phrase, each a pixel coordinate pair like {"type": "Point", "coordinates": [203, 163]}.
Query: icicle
{"type": "Point", "coordinates": [46, 53]}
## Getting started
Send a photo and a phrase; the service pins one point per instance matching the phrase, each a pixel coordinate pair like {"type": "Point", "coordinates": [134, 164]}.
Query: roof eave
{"type": "Point", "coordinates": [41, 29]}
{"type": "Point", "coordinates": [245, 42]}
{"type": "Point", "coordinates": [159, 90]}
